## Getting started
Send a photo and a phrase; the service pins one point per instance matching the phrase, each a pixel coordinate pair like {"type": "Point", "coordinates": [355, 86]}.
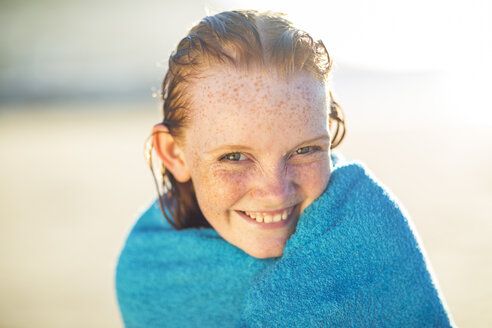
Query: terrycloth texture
{"type": "Point", "coordinates": [353, 262]}
{"type": "Point", "coordinates": [187, 278]}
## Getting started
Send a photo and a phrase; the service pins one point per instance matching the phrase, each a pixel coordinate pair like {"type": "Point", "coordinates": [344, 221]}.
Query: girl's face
{"type": "Point", "coordinates": [257, 149]}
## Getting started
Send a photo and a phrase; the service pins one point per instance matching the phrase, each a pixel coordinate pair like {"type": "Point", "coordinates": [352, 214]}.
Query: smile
{"type": "Point", "coordinates": [269, 216]}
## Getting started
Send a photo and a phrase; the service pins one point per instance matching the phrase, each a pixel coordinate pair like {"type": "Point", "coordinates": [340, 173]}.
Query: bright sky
{"type": "Point", "coordinates": [391, 34]}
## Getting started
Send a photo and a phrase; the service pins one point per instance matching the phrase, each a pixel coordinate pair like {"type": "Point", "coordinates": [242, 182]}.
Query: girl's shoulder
{"type": "Point", "coordinates": [351, 177]}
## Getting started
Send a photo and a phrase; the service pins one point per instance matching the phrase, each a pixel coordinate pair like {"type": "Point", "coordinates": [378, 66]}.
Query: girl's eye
{"type": "Point", "coordinates": [304, 150]}
{"type": "Point", "coordinates": [235, 157]}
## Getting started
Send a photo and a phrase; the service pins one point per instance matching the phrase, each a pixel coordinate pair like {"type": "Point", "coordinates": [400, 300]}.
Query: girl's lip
{"type": "Point", "coordinates": [271, 225]}
{"type": "Point", "coordinates": [272, 213]}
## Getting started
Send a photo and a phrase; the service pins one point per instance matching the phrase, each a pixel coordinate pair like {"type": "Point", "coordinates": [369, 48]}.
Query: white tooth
{"type": "Point", "coordinates": [250, 215]}
{"type": "Point", "coordinates": [259, 219]}
{"type": "Point", "coordinates": [268, 219]}
{"type": "Point", "coordinates": [277, 218]}
{"type": "Point", "coordinates": [284, 216]}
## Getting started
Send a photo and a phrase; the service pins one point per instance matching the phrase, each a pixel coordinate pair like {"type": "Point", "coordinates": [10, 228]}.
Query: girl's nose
{"type": "Point", "coordinates": [275, 187]}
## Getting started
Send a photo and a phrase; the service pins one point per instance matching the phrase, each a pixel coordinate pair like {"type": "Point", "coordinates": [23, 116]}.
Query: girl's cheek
{"type": "Point", "coordinates": [216, 192]}
{"type": "Point", "coordinates": [312, 177]}
{"type": "Point", "coordinates": [231, 183]}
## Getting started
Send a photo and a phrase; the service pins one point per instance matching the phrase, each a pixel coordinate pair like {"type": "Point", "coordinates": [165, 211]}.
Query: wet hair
{"type": "Point", "coordinates": [244, 40]}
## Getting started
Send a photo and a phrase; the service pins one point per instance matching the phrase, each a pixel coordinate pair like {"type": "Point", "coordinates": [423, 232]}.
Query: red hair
{"type": "Point", "coordinates": [243, 40]}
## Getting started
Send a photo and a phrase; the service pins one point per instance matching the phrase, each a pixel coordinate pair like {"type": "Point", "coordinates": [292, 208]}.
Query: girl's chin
{"type": "Point", "coordinates": [264, 254]}
{"type": "Point", "coordinates": [271, 247]}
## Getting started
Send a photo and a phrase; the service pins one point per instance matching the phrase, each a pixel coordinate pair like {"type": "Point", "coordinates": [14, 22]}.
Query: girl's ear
{"type": "Point", "coordinates": [170, 153]}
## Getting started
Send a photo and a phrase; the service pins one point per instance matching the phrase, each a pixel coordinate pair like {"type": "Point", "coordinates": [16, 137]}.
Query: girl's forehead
{"type": "Point", "coordinates": [239, 107]}
{"type": "Point", "coordinates": [235, 90]}
{"type": "Point", "coordinates": [254, 78]}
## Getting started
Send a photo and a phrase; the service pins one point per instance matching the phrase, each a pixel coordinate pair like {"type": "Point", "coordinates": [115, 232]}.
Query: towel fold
{"type": "Point", "coordinates": [186, 278]}
{"type": "Point", "coordinates": [354, 261]}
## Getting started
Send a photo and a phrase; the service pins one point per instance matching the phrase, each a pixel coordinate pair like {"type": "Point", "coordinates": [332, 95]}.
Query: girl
{"type": "Point", "coordinates": [259, 223]}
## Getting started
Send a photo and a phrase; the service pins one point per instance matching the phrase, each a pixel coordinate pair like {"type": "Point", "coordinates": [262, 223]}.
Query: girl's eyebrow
{"type": "Point", "coordinates": [247, 148]}
{"type": "Point", "coordinates": [321, 137]}
{"type": "Point", "coordinates": [229, 147]}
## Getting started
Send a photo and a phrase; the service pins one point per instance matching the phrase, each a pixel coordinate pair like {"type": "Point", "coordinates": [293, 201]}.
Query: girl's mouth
{"type": "Point", "coordinates": [269, 219]}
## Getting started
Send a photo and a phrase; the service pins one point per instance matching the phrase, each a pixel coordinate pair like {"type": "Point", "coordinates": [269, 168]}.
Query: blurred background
{"type": "Point", "coordinates": [77, 80]}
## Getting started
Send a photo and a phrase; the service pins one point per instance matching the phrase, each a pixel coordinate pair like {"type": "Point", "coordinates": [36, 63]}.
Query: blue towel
{"type": "Point", "coordinates": [354, 261]}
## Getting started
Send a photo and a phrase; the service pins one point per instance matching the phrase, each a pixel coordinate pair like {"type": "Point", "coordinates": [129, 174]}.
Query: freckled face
{"type": "Point", "coordinates": [257, 146]}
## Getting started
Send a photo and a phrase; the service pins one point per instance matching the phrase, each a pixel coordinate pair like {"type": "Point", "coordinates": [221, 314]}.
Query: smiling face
{"type": "Point", "coordinates": [257, 149]}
